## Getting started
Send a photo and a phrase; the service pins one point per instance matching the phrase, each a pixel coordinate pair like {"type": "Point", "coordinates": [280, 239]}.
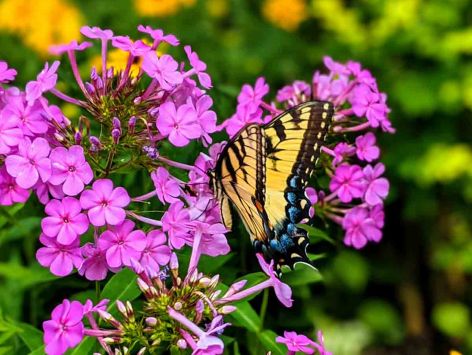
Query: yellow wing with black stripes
{"type": "Point", "coordinates": [264, 170]}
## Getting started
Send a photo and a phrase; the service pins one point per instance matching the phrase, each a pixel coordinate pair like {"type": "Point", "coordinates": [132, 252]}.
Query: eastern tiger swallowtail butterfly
{"type": "Point", "coordinates": [263, 172]}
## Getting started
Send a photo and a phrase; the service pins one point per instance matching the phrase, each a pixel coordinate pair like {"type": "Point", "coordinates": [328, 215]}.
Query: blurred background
{"type": "Point", "coordinates": [410, 294]}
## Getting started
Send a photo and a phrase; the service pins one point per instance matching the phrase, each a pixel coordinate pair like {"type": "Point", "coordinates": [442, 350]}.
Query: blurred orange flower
{"type": "Point", "coordinates": [41, 23]}
{"type": "Point", "coordinates": [160, 7]}
{"type": "Point", "coordinates": [286, 14]}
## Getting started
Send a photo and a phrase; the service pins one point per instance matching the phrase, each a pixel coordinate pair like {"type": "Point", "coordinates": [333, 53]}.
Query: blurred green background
{"type": "Point", "coordinates": [411, 294]}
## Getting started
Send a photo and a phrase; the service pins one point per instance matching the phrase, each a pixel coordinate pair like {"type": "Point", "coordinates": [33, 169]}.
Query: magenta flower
{"type": "Point", "coordinates": [6, 74]}
{"type": "Point", "coordinates": [164, 69]}
{"type": "Point", "coordinates": [65, 329]}
{"type": "Point", "coordinates": [30, 163]}
{"type": "Point", "coordinates": [199, 67]}
{"type": "Point", "coordinates": [341, 152]}
{"type": "Point", "coordinates": [205, 117]}
{"type": "Point", "coordinates": [96, 33]}
{"type": "Point", "coordinates": [360, 228]}
{"type": "Point", "coordinates": [158, 36]}
{"type": "Point", "coordinates": [366, 148]}
{"type": "Point", "coordinates": [179, 124]}
{"type": "Point", "coordinates": [70, 168]}
{"type": "Point", "coordinates": [245, 114]}
{"type": "Point", "coordinates": [296, 342]}
{"type": "Point", "coordinates": [347, 182]}
{"type": "Point", "coordinates": [155, 252]}
{"type": "Point", "coordinates": [291, 92]}
{"type": "Point", "coordinates": [59, 258]}
{"type": "Point", "coordinates": [312, 196]}
{"type": "Point", "coordinates": [65, 221]}
{"type": "Point", "coordinates": [378, 215]}
{"type": "Point", "coordinates": [167, 188]}
{"type": "Point", "coordinates": [44, 190]}
{"type": "Point", "coordinates": [10, 134]}
{"type": "Point", "coordinates": [94, 267]}
{"type": "Point", "coordinates": [282, 291]}
{"type": "Point", "coordinates": [122, 244]}
{"type": "Point", "coordinates": [212, 239]}
{"type": "Point", "coordinates": [175, 223]}
{"type": "Point", "coordinates": [252, 96]}
{"type": "Point", "coordinates": [320, 345]}
{"type": "Point", "coordinates": [30, 118]}
{"type": "Point", "coordinates": [69, 47]}
{"type": "Point", "coordinates": [367, 103]}
{"type": "Point", "coordinates": [136, 48]}
{"type": "Point", "coordinates": [105, 204]}
{"type": "Point", "coordinates": [377, 187]}
{"type": "Point", "coordinates": [45, 81]}
{"type": "Point", "coordinates": [10, 192]}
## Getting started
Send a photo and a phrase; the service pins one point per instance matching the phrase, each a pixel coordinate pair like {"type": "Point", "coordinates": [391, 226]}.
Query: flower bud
{"type": "Point", "coordinates": [236, 287]}
{"type": "Point", "coordinates": [204, 281]}
{"type": "Point", "coordinates": [95, 141]}
{"type": "Point", "coordinates": [138, 100]}
{"type": "Point", "coordinates": [90, 88]}
{"type": "Point", "coordinates": [227, 309]}
{"type": "Point", "coordinates": [116, 123]}
{"type": "Point", "coordinates": [78, 138]}
{"type": "Point", "coordinates": [121, 307]}
{"type": "Point", "coordinates": [182, 344]}
{"type": "Point", "coordinates": [174, 262]}
{"type": "Point", "coordinates": [177, 306]}
{"type": "Point", "coordinates": [141, 351]}
{"type": "Point", "coordinates": [143, 286]}
{"type": "Point", "coordinates": [115, 133]}
{"type": "Point", "coordinates": [151, 321]}
{"type": "Point", "coordinates": [59, 137]}
{"type": "Point", "coordinates": [131, 124]}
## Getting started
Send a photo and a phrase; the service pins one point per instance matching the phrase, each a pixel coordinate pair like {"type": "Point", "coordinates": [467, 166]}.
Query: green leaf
{"type": "Point", "coordinates": [303, 274]}
{"type": "Point", "coordinates": [31, 336]}
{"type": "Point", "coordinates": [21, 229]}
{"type": "Point", "coordinates": [315, 234]}
{"type": "Point", "coordinates": [25, 276]}
{"type": "Point", "coordinates": [210, 264]}
{"type": "Point", "coordinates": [38, 351]}
{"type": "Point", "coordinates": [121, 286]}
{"type": "Point", "coordinates": [84, 347]}
{"type": "Point", "coordinates": [246, 317]}
{"type": "Point", "coordinates": [267, 338]}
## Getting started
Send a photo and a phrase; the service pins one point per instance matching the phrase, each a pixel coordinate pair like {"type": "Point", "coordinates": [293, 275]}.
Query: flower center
{"type": "Point", "coordinates": [104, 203]}
{"type": "Point", "coordinates": [72, 169]}
{"type": "Point", "coordinates": [66, 219]}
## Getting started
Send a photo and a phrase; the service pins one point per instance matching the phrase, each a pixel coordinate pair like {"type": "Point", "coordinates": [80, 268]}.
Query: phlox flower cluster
{"type": "Point", "coordinates": [357, 188]}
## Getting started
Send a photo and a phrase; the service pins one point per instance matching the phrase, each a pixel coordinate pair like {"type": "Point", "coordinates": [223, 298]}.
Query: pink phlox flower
{"type": "Point", "coordinates": [282, 290]}
{"type": "Point", "coordinates": [94, 267]}
{"type": "Point", "coordinates": [104, 203]}
{"type": "Point", "coordinates": [179, 124]}
{"type": "Point", "coordinates": [65, 221]}
{"type": "Point", "coordinates": [122, 244]}
{"type": "Point", "coordinates": [56, 114]}
{"type": "Point", "coordinates": [30, 163]}
{"type": "Point", "coordinates": [136, 48]}
{"type": "Point", "coordinates": [342, 151]}
{"type": "Point", "coordinates": [320, 344]}
{"type": "Point", "coordinates": [10, 191]}
{"type": "Point", "coordinates": [45, 81]}
{"type": "Point", "coordinates": [245, 114]}
{"type": "Point", "coordinates": [360, 228]}
{"type": "Point", "coordinates": [59, 258]}
{"type": "Point", "coordinates": [69, 47]}
{"type": "Point", "coordinates": [30, 118]}
{"type": "Point", "coordinates": [164, 69]}
{"type": "Point", "coordinates": [155, 253]}
{"type": "Point", "coordinates": [377, 187]}
{"type": "Point", "coordinates": [378, 215]}
{"type": "Point", "coordinates": [100, 306]}
{"type": "Point", "coordinates": [297, 342]}
{"type": "Point", "coordinates": [368, 103]}
{"type": "Point", "coordinates": [312, 196]}
{"type": "Point", "coordinates": [252, 96]}
{"type": "Point", "coordinates": [321, 86]}
{"type": "Point", "coordinates": [199, 67]}
{"type": "Point", "coordinates": [213, 241]}
{"type": "Point", "coordinates": [366, 148]}
{"type": "Point", "coordinates": [158, 35]}
{"type": "Point", "coordinates": [65, 329]}
{"type": "Point", "coordinates": [6, 74]}
{"type": "Point", "coordinates": [363, 76]}
{"type": "Point", "coordinates": [348, 182]}
{"type": "Point", "coordinates": [10, 134]}
{"type": "Point", "coordinates": [336, 68]}
{"type": "Point", "coordinates": [205, 117]}
{"type": "Point", "coordinates": [96, 33]}
{"type": "Point", "coordinates": [188, 88]}
{"type": "Point", "coordinates": [70, 168]}
{"type": "Point", "coordinates": [294, 91]}
{"type": "Point", "coordinates": [44, 190]}
{"type": "Point", "coordinates": [175, 223]}
{"type": "Point", "coordinates": [167, 187]}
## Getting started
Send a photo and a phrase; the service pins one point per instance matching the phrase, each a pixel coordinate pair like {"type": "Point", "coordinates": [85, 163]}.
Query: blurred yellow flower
{"type": "Point", "coordinates": [117, 59]}
{"type": "Point", "coordinates": [454, 352]}
{"type": "Point", "coordinates": [41, 23]}
{"type": "Point", "coordinates": [286, 14]}
{"type": "Point", "coordinates": [160, 7]}
{"type": "Point", "coordinates": [217, 8]}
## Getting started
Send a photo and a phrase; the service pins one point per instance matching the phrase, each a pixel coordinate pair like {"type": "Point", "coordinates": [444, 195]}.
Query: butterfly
{"type": "Point", "coordinates": [263, 171]}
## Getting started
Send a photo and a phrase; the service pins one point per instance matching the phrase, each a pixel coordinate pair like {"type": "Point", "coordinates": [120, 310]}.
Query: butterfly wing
{"type": "Point", "coordinates": [293, 143]}
{"type": "Point", "coordinates": [239, 177]}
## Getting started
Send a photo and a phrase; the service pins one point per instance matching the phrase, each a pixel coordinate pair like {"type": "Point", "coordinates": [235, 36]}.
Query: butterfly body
{"type": "Point", "coordinates": [263, 172]}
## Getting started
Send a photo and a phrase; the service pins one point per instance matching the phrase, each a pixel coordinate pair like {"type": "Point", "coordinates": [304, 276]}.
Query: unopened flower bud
{"type": "Point", "coordinates": [138, 100]}
{"type": "Point", "coordinates": [116, 123]}
{"type": "Point", "coordinates": [90, 88]}
{"type": "Point", "coordinates": [121, 307]}
{"type": "Point", "coordinates": [205, 281]}
{"type": "Point", "coordinates": [78, 138]}
{"type": "Point", "coordinates": [199, 306]}
{"type": "Point", "coordinates": [215, 295]}
{"type": "Point", "coordinates": [182, 344]}
{"type": "Point", "coordinates": [115, 133]}
{"type": "Point", "coordinates": [174, 262]}
{"type": "Point", "coordinates": [227, 309]}
{"type": "Point", "coordinates": [214, 280]}
{"type": "Point", "coordinates": [129, 309]}
{"type": "Point", "coordinates": [236, 287]}
{"type": "Point", "coordinates": [109, 340]}
{"type": "Point", "coordinates": [151, 321]}
{"type": "Point", "coordinates": [95, 141]}
{"type": "Point", "coordinates": [143, 286]}
{"type": "Point", "coordinates": [141, 351]}
{"type": "Point", "coordinates": [131, 124]}
{"type": "Point", "coordinates": [177, 306]}
{"type": "Point", "coordinates": [59, 137]}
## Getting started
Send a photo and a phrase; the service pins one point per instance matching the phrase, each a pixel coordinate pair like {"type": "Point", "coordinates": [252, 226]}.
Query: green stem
{"type": "Point", "coordinates": [265, 301]}
{"type": "Point", "coordinates": [97, 291]}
